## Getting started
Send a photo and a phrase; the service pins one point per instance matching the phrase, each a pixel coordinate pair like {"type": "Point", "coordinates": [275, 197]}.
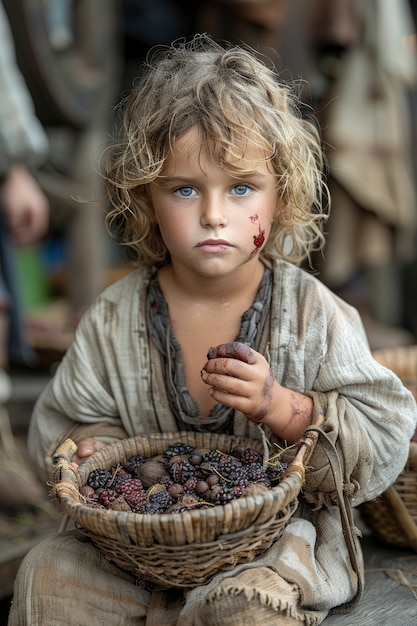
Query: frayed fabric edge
{"type": "Point", "coordinates": [280, 605]}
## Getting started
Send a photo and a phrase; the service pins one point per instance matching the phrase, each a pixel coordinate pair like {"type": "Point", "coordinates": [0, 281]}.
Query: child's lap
{"type": "Point", "coordinates": [66, 581]}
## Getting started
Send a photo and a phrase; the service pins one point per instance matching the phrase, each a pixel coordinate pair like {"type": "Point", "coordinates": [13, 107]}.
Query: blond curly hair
{"type": "Point", "coordinates": [230, 94]}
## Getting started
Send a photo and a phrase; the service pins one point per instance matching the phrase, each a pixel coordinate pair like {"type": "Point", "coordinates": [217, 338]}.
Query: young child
{"type": "Point", "coordinates": [217, 188]}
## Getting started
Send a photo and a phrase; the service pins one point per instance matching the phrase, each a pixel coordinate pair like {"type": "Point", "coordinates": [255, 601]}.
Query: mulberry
{"type": "Point", "coordinates": [99, 478]}
{"type": "Point", "coordinates": [177, 449]}
{"type": "Point", "coordinates": [107, 497]}
{"type": "Point", "coordinates": [133, 464]}
{"type": "Point", "coordinates": [162, 499]}
{"type": "Point", "coordinates": [250, 455]}
{"type": "Point", "coordinates": [274, 472]}
{"type": "Point", "coordinates": [133, 492]}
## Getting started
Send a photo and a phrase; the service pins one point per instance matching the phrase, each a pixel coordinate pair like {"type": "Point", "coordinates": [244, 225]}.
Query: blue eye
{"type": "Point", "coordinates": [185, 192]}
{"type": "Point", "coordinates": [241, 189]}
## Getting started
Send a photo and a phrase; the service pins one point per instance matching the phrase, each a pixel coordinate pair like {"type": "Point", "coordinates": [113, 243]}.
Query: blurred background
{"type": "Point", "coordinates": [72, 60]}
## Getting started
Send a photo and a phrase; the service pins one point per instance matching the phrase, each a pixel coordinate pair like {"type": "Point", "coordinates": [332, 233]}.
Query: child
{"type": "Point", "coordinates": [217, 188]}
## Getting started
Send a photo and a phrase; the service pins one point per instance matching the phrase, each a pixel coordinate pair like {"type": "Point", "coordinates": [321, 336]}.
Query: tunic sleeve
{"type": "Point", "coordinates": [319, 348]}
{"type": "Point", "coordinates": [103, 379]}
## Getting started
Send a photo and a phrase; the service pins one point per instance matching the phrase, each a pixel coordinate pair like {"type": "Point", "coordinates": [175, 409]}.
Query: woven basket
{"type": "Point", "coordinates": [392, 517]}
{"type": "Point", "coordinates": [180, 549]}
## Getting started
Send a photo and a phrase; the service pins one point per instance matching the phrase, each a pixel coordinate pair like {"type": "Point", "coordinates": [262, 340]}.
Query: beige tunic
{"type": "Point", "coordinates": [110, 384]}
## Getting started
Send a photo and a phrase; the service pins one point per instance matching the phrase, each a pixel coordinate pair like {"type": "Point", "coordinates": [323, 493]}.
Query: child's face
{"type": "Point", "coordinates": [212, 222]}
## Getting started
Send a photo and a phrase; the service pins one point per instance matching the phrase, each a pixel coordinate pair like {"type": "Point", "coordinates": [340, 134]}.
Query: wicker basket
{"type": "Point", "coordinates": [392, 517]}
{"type": "Point", "coordinates": [180, 549]}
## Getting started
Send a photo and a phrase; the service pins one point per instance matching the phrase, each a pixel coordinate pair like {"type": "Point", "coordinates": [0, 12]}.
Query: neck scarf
{"type": "Point", "coordinates": [183, 406]}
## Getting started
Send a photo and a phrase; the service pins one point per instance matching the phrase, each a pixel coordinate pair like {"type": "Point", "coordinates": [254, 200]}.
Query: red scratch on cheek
{"type": "Point", "coordinates": [254, 218]}
{"type": "Point", "coordinates": [258, 240]}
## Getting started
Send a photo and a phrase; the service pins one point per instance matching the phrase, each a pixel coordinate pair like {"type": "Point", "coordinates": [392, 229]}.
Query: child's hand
{"type": "Point", "coordinates": [86, 447]}
{"type": "Point", "coordinates": [240, 378]}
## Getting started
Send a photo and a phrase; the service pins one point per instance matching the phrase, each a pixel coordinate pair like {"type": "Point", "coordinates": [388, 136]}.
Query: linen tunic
{"type": "Point", "coordinates": [110, 384]}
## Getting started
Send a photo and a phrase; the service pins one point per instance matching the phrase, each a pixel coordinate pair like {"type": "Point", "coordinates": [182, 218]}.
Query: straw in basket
{"type": "Point", "coordinates": [181, 549]}
{"type": "Point", "coordinates": [392, 517]}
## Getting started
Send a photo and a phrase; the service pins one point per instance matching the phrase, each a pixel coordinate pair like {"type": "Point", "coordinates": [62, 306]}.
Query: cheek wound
{"type": "Point", "coordinates": [258, 240]}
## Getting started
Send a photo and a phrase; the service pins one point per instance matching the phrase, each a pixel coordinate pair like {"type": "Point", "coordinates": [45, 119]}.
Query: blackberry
{"type": "Point", "coordinates": [256, 474]}
{"type": "Point", "coordinates": [177, 449]}
{"type": "Point", "coordinates": [274, 472]}
{"type": "Point", "coordinates": [231, 470]}
{"type": "Point", "coordinates": [135, 500]}
{"type": "Point", "coordinates": [107, 497]}
{"type": "Point", "coordinates": [250, 455]}
{"type": "Point", "coordinates": [133, 464]}
{"type": "Point", "coordinates": [224, 495]}
{"type": "Point", "coordinates": [130, 485]}
{"type": "Point", "coordinates": [239, 490]}
{"type": "Point", "coordinates": [119, 477]}
{"type": "Point", "coordinates": [150, 508]}
{"type": "Point", "coordinates": [133, 492]}
{"type": "Point", "coordinates": [99, 478]}
{"type": "Point", "coordinates": [162, 499]}
{"type": "Point", "coordinates": [212, 456]}
{"type": "Point", "coordinates": [188, 471]}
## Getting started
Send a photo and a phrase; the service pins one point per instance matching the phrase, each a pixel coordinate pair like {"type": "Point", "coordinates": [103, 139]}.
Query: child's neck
{"type": "Point", "coordinates": [239, 286]}
{"type": "Point", "coordinates": [205, 313]}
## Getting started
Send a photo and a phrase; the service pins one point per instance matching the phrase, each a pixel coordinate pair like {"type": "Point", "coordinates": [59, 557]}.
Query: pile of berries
{"type": "Point", "coordinates": [180, 479]}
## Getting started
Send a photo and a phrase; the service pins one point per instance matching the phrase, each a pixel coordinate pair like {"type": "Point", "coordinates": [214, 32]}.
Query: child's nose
{"type": "Point", "coordinates": [213, 211]}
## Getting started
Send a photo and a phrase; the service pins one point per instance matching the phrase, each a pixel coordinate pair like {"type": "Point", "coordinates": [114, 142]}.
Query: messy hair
{"type": "Point", "coordinates": [235, 100]}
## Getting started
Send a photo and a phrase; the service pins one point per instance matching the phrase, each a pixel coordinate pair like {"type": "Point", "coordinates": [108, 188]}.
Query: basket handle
{"type": "Point", "coordinates": [66, 450]}
{"type": "Point", "coordinates": [310, 437]}
{"type": "Point", "coordinates": [349, 529]}
{"type": "Point", "coordinates": [66, 478]}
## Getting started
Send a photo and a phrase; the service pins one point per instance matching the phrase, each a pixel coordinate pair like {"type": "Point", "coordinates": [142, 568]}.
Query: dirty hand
{"type": "Point", "coordinates": [240, 378]}
{"type": "Point", "coordinates": [86, 447]}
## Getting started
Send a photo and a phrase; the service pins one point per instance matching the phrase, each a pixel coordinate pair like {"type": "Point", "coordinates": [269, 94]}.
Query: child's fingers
{"type": "Point", "coordinates": [225, 382]}
{"type": "Point", "coordinates": [226, 368]}
{"type": "Point", "coordinates": [233, 350]}
{"type": "Point", "coordinates": [86, 447]}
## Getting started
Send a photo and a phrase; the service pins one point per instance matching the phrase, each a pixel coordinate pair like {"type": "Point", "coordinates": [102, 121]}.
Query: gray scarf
{"type": "Point", "coordinates": [183, 406]}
